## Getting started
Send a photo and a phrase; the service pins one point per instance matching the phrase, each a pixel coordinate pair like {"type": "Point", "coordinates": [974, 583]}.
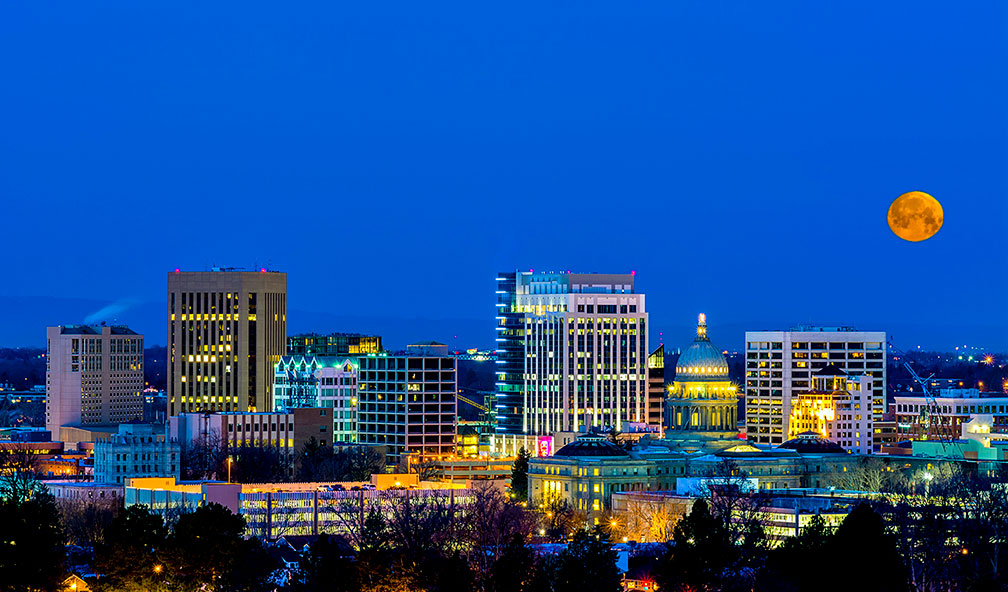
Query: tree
{"type": "Point", "coordinates": [327, 566]}
{"type": "Point", "coordinates": [217, 535]}
{"type": "Point", "coordinates": [204, 458]}
{"type": "Point", "coordinates": [494, 523]}
{"type": "Point", "coordinates": [519, 475]}
{"type": "Point", "coordinates": [588, 563]}
{"type": "Point", "coordinates": [700, 556]}
{"type": "Point", "coordinates": [317, 461]}
{"type": "Point", "coordinates": [86, 521]}
{"type": "Point", "coordinates": [427, 470]}
{"type": "Point", "coordinates": [863, 534]}
{"type": "Point", "coordinates": [19, 470]}
{"type": "Point", "coordinates": [513, 568]}
{"type": "Point", "coordinates": [32, 543]}
{"type": "Point", "coordinates": [259, 464]}
{"type": "Point", "coordinates": [361, 462]}
{"type": "Point", "coordinates": [649, 519]}
{"type": "Point", "coordinates": [131, 555]}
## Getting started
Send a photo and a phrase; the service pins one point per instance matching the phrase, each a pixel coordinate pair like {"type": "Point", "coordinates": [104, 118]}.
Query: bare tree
{"type": "Point", "coordinates": [19, 472]}
{"type": "Point", "coordinates": [85, 521]}
{"type": "Point", "coordinates": [204, 457]}
{"type": "Point", "coordinates": [731, 500]}
{"type": "Point", "coordinates": [494, 520]}
{"type": "Point", "coordinates": [649, 519]}
{"type": "Point", "coordinates": [428, 470]}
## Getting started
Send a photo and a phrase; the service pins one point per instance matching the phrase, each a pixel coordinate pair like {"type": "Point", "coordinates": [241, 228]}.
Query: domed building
{"type": "Point", "coordinates": [701, 408]}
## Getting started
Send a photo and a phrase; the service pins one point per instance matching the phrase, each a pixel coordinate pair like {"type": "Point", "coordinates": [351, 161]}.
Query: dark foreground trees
{"type": "Point", "coordinates": [32, 544]}
{"type": "Point", "coordinates": [204, 550]}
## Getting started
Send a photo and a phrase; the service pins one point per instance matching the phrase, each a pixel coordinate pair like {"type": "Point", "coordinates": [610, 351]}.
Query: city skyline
{"type": "Point", "coordinates": [671, 328]}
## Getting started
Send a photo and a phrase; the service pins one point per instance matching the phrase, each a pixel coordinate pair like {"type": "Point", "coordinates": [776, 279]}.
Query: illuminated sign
{"type": "Point", "coordinates": [545, 445]}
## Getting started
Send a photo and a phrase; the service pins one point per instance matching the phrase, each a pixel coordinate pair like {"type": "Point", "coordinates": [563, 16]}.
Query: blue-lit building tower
{"type": "Point", "coordinates": [508, 409]}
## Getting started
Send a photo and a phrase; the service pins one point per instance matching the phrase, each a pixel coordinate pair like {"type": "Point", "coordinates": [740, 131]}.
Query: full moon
{"type": "Point", "coordinates": [915, 216]}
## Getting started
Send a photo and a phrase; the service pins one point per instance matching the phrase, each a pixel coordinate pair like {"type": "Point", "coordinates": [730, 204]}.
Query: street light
{"type": "Point", "coordinates": [229, 469]}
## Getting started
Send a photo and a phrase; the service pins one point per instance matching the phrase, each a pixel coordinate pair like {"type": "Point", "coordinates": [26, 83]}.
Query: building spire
{"type": "Point", "coordinates": [701, 328]}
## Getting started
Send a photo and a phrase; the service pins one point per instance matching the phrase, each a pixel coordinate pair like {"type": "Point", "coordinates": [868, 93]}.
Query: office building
{"type": "Point", "coordinates": [227, 330]}
{"type": "Point", "coordinates": [333, 345]}
{"type": "Point", "coordinates": [94, 375]}
{"type": "Point", "coordinates": [406, 403]}
{"type": "Point", "coordinates": [656, 387]}
{"type": "Point", "coordinates": [572, 352]}
{"type": "Point", "coordinates": [317, 381]}
{"type": "Point", "coordinates": [779, 366]}
{"type": "Point", "coordinates": [919, 419]}
{"type": "Point", "coordinates": [702, 402]}
{"type": "Point", "coordinates": [837, 408]}
{"type": "Point", "coordinates": [137, 450]}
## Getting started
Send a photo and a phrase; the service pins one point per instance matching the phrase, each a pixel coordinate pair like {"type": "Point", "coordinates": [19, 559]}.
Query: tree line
{"type": "Point", "coordinates": [210, 458]}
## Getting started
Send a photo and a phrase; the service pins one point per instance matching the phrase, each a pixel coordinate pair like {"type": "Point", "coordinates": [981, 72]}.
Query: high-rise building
{"type": "Point", "coordinates": [779, 366]}
{"type": "Point", "coordinates": [572, 352]}
{"type": "Point", "coordinates": [407, 404]}
{"type": "Point", "coordinates": [334, 344]}
{"type": "Point", "coordinates": [226, 331]}
{"type": "Point", "coordinates": [94, 375]}
{"type": "Point", "coordinates": [837, 408]}
{"type": "Point", "coordinates": [656, 387]}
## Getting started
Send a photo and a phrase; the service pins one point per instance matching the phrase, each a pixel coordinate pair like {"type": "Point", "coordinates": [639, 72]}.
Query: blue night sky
{"type": "Point", "coordinates": [392, 157]}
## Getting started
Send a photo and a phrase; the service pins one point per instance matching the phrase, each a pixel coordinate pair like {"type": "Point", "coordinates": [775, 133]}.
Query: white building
{"type": "Point", "coordinates": [337, 390]}
{"type": "Point", "coordinates": [94, 375]}
{"type": "Point", "coordinates": [138, 450]}
{"type": "Point", "coordinates": [319, 381]}
{"type": "Point", "coordinates": [573, 352]}
{"type": "Point", "coordinates": [779, 366]}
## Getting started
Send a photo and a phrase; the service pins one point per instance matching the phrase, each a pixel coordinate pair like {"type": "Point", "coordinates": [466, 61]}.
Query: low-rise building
{"type": "Point", "coordinates": [917, 418]}
{"type": "Point", "coordinates": [137, 450]}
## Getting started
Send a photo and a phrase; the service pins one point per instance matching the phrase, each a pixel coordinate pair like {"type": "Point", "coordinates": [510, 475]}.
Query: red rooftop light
{"type": "Point", "coordinates": [263, 270]}
{"type": "Point", "coordinates": [176, 270]}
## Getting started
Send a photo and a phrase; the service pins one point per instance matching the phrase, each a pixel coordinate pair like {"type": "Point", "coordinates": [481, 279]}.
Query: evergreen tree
{"type": "Point", "coordinates": [519, 475]}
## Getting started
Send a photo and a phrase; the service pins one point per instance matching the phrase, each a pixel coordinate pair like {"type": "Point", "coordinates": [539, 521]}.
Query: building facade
{"type": "Point", "coordinates": [656, 387]}
{"type": "Point", "coordinates": [227, 330]}
{"type": "Point", "coordinates": [319, 381]}
{"type": "Point", "coordinates": [837, 408]}
{"type": "Point", "coordinates": [138, 450]}
{"type": "Point", "coordinates": [572, 352]}
{"type": "Point", "coordinates": [779, 366]}
{"type": "Point", "coordinates": [333, 344]}
{"type": "Point", "coordinates": [94, 375]}
{"type": "Point", "coordinates": [919, 419]}
{"type": "Point", "coordinates": [289, 431]}
{"type": "Point", "coordinates": [702, 402]}
{"type": "Point", "coordinates": [406, 404]}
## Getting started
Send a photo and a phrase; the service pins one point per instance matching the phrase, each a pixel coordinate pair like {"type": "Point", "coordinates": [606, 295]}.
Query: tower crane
{"type": "Point", "coordinates": [932, 409]}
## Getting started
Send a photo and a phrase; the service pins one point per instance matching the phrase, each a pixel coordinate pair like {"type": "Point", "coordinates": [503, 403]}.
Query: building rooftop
{"type": "Point", "coordinates": [591, 446]}
{"type": "Point", "coordinates": [830, 370]}
{"type": "Point", "coordinates": [812, 443]}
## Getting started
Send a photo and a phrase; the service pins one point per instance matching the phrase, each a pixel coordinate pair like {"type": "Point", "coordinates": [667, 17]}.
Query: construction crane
{"type": "Point", "coordinates": [482, 408]}
{"type": "Point", "coordinates": [932, 409]}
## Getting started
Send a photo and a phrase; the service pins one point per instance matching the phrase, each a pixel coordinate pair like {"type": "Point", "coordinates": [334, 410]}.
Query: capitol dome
{"type": "Point", "coordinates": [701, 361]}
